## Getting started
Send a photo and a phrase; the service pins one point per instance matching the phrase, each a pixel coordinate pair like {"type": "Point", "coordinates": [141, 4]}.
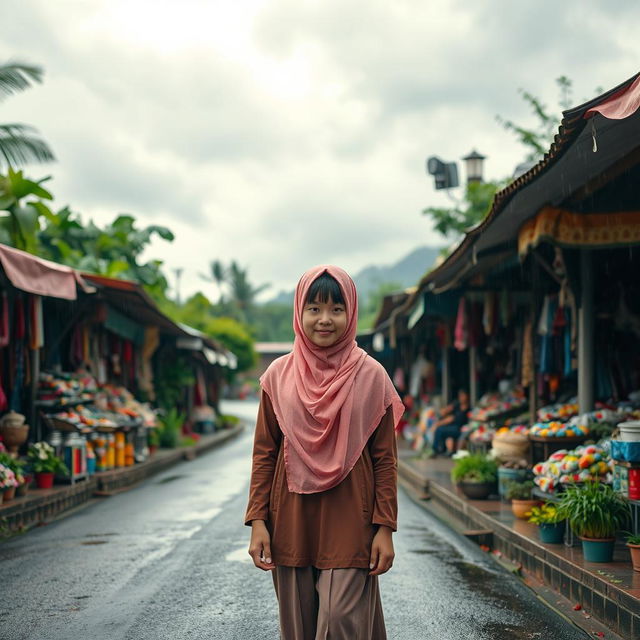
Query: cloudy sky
{"type": "Point", "coordinates": [286, 133]}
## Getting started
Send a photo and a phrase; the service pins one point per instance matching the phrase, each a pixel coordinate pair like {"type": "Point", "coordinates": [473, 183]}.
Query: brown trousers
{"type": "Point", "coordinates": [328, 604]}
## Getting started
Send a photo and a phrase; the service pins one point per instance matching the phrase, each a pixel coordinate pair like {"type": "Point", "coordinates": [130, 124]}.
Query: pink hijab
{"type": "Point", "coordinates": [328, 401]}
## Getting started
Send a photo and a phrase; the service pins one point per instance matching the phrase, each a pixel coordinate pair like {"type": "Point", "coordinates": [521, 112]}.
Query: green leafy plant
{"type": "Point", "coordinates": [42, 459]}
{"type": "Point", "coordinates": [475, 468]}
{"type": "Point", "coordinates": [632, 538]}
{"type": "Point", "coordinates": [594, 510]}
{"type": "Point", "coordinates": [545, 514]}
{"type": "Point", "coordinates": [519, 490]}
{"type": "Point", "coordinates": [153, 437]}
{"type": "Point", "coordinates": [170, 426]}
{"type": "Point", "coordinates": [224, 421]}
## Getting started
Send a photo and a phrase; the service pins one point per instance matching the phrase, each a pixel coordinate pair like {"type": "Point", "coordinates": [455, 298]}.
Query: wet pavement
{"type": "Point", "coordinates": [168, 559]}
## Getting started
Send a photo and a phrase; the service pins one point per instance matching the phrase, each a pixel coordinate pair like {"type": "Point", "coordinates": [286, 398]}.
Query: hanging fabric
{"type": "Point", "coordinates": [4, 404]}
{"type": "Point", "coordinates": [18, 379]}
{"type": "Point", "coordinates": [4, 321]}
{"type": "Point", "coordinates": [505, 308]}
{"type": "Point", "coordinates": [461, 333]}
{"type": "Point", "coordinates": [527, 354]}
{"type": "Point", "coordinates": [489, 313]}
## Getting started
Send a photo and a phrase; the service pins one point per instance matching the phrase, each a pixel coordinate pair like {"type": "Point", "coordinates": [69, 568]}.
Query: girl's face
{"type": "Point", "coordinates": [324, 323]}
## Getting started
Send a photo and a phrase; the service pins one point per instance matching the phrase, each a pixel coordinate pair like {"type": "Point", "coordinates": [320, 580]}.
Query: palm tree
{"type": "Point", "coordinates": [18, 143]}
{"type": "Point", "coordinates": [218, 274]}
{"type": "Point", "coordinates": [243, 293]}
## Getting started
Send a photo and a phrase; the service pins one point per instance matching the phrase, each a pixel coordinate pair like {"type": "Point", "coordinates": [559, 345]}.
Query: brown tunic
{"type": "Point", "coordinates": [332, 529]}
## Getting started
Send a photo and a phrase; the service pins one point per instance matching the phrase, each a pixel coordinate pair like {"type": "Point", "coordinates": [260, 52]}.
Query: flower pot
{"type": "Point", "coordinates": [8, 494]}
{"type": "Point", "coordinates": [635, 555]}
{"type": "Point", "coordinates": [598, 549]}
{"type": "Point", "coordinates": [152, 449]}
{"type": "Point", "coordinates": [477, 490]}
{"type": "Point", "coordinates": [551, 533]}
{"type": "Point", "coordinates": [44, 480]}
{"type": "Point", "coordinates": [510, 475]}
{"type": "Point", "coordinates": [520, 508]}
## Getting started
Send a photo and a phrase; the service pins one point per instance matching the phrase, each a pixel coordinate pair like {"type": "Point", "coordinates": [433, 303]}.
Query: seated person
{"type": "Point", "coordinates": [453, 418]}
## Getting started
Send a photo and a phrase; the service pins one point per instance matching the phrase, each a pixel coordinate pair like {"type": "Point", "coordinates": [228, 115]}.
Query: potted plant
{"type": "Point", "coordinates": [153, 440]}
{"type": "Point", "coordinates": [8, 483]}
{"type": "Point", "coordinates": [476, 475]}
{"type": "Point", "coordinates": [16, 467]}
{"type": "Point", "coordinates": [45, 464]}
{"type": "Point", "coordinates": [521, 496]}
{"type": "Point", "coordinates": [170, 427]}
{"type": "Point", "coordinates": [633, 542]}
{"type": "Point", "coordinates": [595, 512]}
{"type": "Point", "coordinates": [551, 526]}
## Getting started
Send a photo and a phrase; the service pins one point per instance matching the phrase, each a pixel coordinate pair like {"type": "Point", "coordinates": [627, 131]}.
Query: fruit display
{"type": "Point", "coordinates": [65, 388]}
{"type": "Point", "coordinates": [556, 429]}
{"type": "Point", "coordinates": [478, 432]}
{"type": "Point", "coordinates": [494, 404]}
{"type": "Point", "coordinates": [558, 412]}
{"type": "Point", "coordinates": [589, 462]}
{"type": "Point", "coordinates": [514, 428]}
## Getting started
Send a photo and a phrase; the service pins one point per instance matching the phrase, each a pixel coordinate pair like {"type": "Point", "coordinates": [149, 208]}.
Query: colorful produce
{"type": "Point", "coordinates": [564, 467]}
{"type": "Point", "coordinates": [558, 412]}
{"type": "Point", "coordinates": [557, 429]}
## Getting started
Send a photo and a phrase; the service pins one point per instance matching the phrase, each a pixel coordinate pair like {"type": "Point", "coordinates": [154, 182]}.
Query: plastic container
{"type": "Point", "coordinates": [630, 431]}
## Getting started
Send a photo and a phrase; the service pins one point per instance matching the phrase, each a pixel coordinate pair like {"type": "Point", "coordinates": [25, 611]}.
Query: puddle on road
{"type": "Point", "coordinates": [91, 542]}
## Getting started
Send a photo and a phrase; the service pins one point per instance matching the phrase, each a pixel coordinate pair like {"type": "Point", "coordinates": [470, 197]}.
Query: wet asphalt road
{"type": "Point", "coordinates": [168, 560]}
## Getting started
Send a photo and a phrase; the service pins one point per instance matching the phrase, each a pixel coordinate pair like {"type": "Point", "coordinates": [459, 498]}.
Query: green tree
{"type": "Point", "coordinates": [272, 322]}
{"type": "Point", "coordinates": [242, 292]}
{"type": "Point", "coordinates": [538, 139]}
{"type": "Point", "coordinates": [456, 220]}
{"type": "Point", "coordinates": [199, 313]}
{"type": "Point", "coordinates": [478, 198]}
{"type": "Point", "coordinates": [19, 143]}
{"type": "Point", "coordinates": [218, 275]}
{"type": "Point", "coordinates": [22, 201]}
{"type": "Point", "coordinates": [112, 251]}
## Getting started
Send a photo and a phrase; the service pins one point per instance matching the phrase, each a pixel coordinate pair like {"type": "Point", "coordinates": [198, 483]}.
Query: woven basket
{"type": "Point", "coordinates": [510, 445]}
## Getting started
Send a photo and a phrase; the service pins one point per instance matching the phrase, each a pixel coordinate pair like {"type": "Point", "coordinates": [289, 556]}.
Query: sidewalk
{"type": "Point", "coordinates": [610, 592]}
{"type": "Point", "coordinates": [42, 505]}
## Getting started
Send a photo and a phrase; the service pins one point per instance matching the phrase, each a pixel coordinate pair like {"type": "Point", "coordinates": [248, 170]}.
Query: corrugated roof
{"type": "Point", "coordinates": [568, 165]}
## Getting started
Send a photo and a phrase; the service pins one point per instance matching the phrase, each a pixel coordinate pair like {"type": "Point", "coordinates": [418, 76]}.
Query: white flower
{"type": "Point", "coordinates": [43, 455]}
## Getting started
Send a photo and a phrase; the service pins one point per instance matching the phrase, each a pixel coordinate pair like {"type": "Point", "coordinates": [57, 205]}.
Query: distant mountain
{"type": "Point", "coordinates": [407, 272]}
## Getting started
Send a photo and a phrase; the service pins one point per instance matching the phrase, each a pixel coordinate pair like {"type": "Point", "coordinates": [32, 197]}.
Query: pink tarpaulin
{"type": "Point", "coordinates": [620, 105]}
{"type": "Point", "coordinates": [42, 277]}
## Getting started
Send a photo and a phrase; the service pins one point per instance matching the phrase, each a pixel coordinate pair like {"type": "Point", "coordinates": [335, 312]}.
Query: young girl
{"type": "Point", "coordinates": [323, 498]}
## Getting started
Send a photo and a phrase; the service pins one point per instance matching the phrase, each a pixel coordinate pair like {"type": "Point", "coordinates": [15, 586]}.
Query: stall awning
{"type": "Point", "coordinates": [42, 277]}
{"type": "Point", "coordinates": [570, 229]}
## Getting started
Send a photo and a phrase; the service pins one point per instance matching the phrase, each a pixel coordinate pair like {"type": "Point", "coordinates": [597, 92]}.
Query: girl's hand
{"type": "Point", "coordinates": [260, 546]}
{"type": "Point", "coordinates": [382, 553]}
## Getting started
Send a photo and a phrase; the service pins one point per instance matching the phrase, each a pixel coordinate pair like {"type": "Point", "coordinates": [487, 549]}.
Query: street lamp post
{"type": "Point", "coordinates": [473, 164]}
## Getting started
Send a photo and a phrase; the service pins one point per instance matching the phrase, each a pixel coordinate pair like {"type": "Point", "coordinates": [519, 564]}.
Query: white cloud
{"type": "Point", "coordinates": [284, 133]}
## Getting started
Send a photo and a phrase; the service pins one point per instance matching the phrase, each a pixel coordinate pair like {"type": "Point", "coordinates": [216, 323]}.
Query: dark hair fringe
{"type": "Point", "coordinates": [324, 288]}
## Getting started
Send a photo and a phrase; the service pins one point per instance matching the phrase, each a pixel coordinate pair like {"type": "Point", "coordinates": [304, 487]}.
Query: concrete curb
{"type": "Point", "coordinates": [42, 505]}
{"type": "Point", "coordinates": [542, 568]}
